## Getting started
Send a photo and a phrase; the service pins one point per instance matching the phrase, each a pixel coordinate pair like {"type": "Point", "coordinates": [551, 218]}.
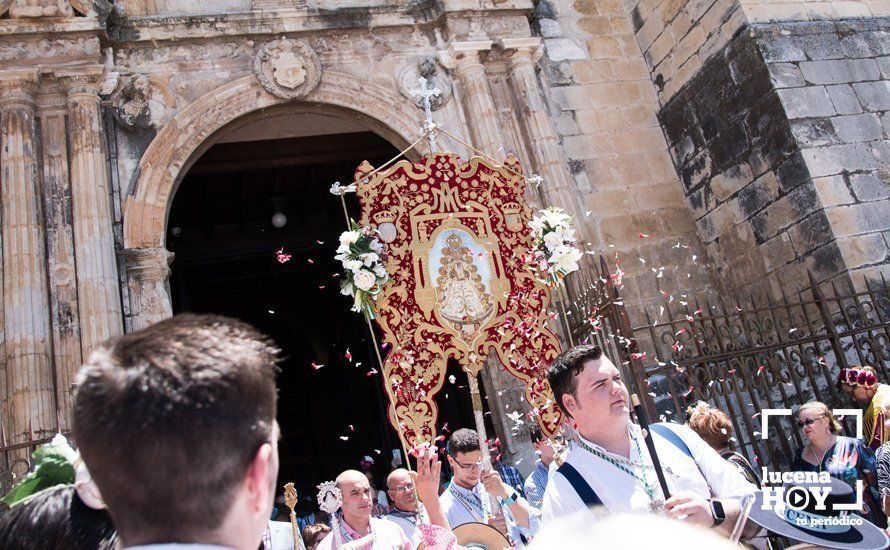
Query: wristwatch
{"type": "Point", "coordinates": [512, 498]}
{"type": "Point", "coordinates": [717, 512]}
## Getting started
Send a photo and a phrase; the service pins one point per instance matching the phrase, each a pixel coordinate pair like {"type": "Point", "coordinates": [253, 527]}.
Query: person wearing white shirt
{"type": "Point", "coordinates": [609, 463]}
{"type": "Point", "coordinates": [407, 512]}
{"type": "Point", "coordinates": [461, 501]}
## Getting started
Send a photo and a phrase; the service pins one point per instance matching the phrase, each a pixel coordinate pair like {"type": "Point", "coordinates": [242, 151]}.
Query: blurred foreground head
{"type": "Point", "coordinates": [627, 532]}
{"type": "Point", "coordinates": [177, 425]}
{"type": "Point", "coordinates": [56, 518]}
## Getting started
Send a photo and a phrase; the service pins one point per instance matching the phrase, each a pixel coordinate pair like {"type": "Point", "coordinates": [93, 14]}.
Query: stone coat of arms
{"type": "Point", "coordinates": [287, 68]}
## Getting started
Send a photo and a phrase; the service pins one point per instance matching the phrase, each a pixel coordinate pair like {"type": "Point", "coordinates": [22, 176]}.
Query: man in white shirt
{"type": "Point", "coordinates": [536, 483]}
{"type": "Point", "coordinates": [462, 502]}
{"type": "Point", "coordinates": [609, 463]}
{"type": "Point", "coordinates": [407, 512]}
{"type": "Point", "coordinates": [354, 521]}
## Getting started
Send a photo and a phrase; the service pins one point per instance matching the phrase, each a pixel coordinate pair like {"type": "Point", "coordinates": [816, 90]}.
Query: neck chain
{"type": "Point", "coordinates": [819, 462]}
{"type": "Point", "coordinates": [656, 503]}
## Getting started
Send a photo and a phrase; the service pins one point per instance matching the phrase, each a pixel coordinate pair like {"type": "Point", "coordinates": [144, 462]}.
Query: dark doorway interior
{"type": "Point", "coordinates": [221, 230]}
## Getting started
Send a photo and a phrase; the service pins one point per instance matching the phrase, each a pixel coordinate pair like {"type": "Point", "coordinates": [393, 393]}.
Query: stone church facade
{"type": "Point", "coordinates": [754, 132]}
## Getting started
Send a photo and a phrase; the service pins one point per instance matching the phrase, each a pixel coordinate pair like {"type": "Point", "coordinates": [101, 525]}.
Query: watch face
{"type": "Point", "coordinates": [718, 509]}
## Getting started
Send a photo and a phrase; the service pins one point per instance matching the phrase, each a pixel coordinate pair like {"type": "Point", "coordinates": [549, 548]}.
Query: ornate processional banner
{"type": "Point", "coordinates": [458, 242]}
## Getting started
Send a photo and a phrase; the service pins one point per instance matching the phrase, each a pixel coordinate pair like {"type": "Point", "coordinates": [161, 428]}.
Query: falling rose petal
{"type": "Point", "coordinates": [272, 311]}
{"type": "Point", "coordinates": [760, 369]}
{"type": "Point", "coordinates": [377, 451]}
{"type": "Point", "coordinates": [372, 372]}
{"type": "Point", "coordinates": [282, 256]}
{"type": "Point", "coordinates": [321, 287]}
{"type": "Point", "coordinates": [348, 355]}
{"type": "Point", "coordinates": [344, 437]}
{"type": "Point", "coordinates": [638, 355]}
{"type": "Point", "coordinates": [351, 428]}
{"type": "Point", "coordinates": [320, 242]}
{"type": "Point", "coordinates": [644, 236]}
{"type": "Point", "coordinates": [316, 367]}
{"type": "Point", "coordinates": [452, 379]}
{"type": "Point", "coordinates": [311, 261]}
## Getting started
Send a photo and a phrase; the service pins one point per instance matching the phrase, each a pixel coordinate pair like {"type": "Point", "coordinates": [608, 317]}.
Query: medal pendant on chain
{"type": "Point", "coordinates": [656, 506]}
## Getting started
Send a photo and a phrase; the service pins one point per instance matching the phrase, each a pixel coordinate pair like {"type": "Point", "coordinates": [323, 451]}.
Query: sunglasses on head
{"type": "Point", "coordinates": [858, 377]}
{"type": "Point", "coordinates": [807, 422]}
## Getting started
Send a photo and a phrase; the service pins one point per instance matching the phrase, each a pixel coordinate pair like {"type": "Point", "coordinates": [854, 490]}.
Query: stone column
{"type": "Point", "coordinates": [148, 272]}
{"type": "Point", "coordinates": [60, 259]}
{"type": "Point", "coordinates": [464, 59]}
{"type": "Point", "coordinates": [98, 294]}
{"type": "Point", "coordinates": [29, 376]}
{"type": "Point", "coordinates": [558, 188]}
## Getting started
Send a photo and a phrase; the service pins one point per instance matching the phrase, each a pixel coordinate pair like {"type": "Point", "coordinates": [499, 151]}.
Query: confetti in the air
{"type": "Point", "coordinates": [282, 256]}
{"type": "Point", "coordinates": [316, 366]}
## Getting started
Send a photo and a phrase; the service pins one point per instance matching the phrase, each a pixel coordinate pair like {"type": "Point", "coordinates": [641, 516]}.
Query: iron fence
{"type": "Point", "coordinates": [740, 353]}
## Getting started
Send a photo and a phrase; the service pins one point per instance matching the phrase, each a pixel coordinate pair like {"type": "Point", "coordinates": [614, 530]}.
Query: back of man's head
{"type": "Point", "coordinates": [170, 418]}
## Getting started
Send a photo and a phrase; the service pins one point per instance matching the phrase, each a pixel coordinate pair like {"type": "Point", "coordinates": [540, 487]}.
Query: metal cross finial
{"type": "Point", "coordinates": [429, 127]}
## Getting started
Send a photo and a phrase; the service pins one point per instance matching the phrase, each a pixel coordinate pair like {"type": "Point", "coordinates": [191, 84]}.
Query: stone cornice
{"type": "Point", "coordinates": [18, 86]}
{"type": "Point", "coordinates": [297, 22]}
{"type": "Point", "coordinates": [52, 26]}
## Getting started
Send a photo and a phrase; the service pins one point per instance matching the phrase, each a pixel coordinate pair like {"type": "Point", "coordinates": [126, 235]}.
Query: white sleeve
{"type": "Point", "coordinates": [723, 478]}
{"type": "Point", "coordinates": [560, 500]}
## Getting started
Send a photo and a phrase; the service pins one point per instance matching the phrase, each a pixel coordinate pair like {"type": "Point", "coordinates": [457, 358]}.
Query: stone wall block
{"type": "Point", "coordinates": [786, 75]}
{"type": "Point", "coordinates": [856, 128]}
{"type": "Point", "coordinates": [840, 71]}
{"type": "Point", "coordinates": [806, 102]}
{"type": "Point", "coordinates": [863, 250]}
{"type": "Point", "coordinates": [833, 191]}
{"type": "Point", "coordinates": [810, 233]}
{"type": "Point", "coordinates": [844, 99]}
{"type": "Point", "coordinates": [758, 194]}
{"type": "Point", "coordinates": [836, 159]}
{"type": "Point", "coordinates": [872, 186]}
{"type": "Point", "coordinates": [874, 96]}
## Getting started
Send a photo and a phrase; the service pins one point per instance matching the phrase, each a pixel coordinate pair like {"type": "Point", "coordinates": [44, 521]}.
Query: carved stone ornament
{"type": "Point", "coordinates": [287, 68]}
{"type": "Point", "coordinates": [435, 76]}
{"type": "Point", "coordinates": [131, 103]}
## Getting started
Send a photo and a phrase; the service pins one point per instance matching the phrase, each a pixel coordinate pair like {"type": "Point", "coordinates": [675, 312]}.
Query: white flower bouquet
{"type": "Point", "coordinates": [556, 253]}
{"type": "Point", "coordinates": [364, 264]}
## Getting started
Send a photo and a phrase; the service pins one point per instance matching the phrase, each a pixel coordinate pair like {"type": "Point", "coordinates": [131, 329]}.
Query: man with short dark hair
{"type": "Point", "coordinates": [462, 502]}
{"type": "Point", "coordinates": [177, 425]}
{"type": "Point", "coordinates": [609, 464]}
{"type": "Point", "coordinates": [536, 483]}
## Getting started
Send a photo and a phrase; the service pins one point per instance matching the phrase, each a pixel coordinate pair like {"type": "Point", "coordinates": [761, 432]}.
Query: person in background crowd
{"type": "Point", "coordinates": [57, 518]}
{"type": "Point", "coordinates": [355, 521]}
{"type": "Point", "coordinates": [882, 457]}
{"type": "Point", "coordinates": [313, 534]}
{"type": "Point", "coordinates": [715, 427]}
{"type": "Point", "coordinates": [203, 384]}
{"type": "Point", "coordinates": [407, 511]}
{"type": "Point", "coordinates": [536, 483]}
{"type": "Point", "coordinates": [461, 502]}
{"type": "Point", "coordinates": [845, 458]}
{"type": "Point", "coordinates": [509, 474]}
{"type": "Point", "coordinates": [607, 464]}
{"type": "Point", "coordinates": [861, 384]}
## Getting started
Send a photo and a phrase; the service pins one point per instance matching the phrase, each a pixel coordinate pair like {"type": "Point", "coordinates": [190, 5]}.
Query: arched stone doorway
{"type": "Point", "coordinates": [193, 130]}
{"type": "Point", "coordinates": [207, 192]}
